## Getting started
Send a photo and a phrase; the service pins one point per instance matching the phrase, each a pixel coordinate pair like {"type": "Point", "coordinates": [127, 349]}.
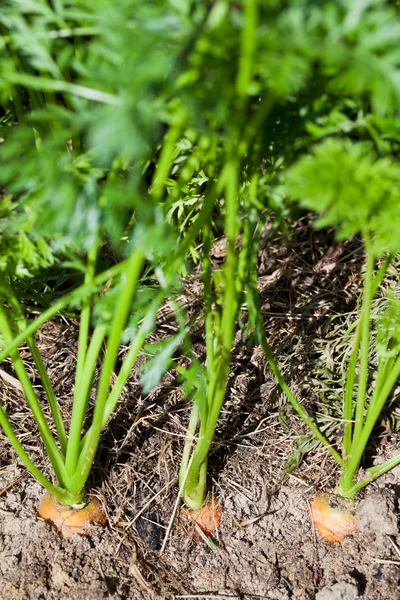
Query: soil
{"type": "Point", "coordinates": [266, 546]}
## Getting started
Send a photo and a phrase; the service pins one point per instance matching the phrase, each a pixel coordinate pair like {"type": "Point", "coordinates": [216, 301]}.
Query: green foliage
{"type": "Point", "coordinates": [22, 252]}
{"type": "Point", "coordinates": [144, 132]}
{"type": "Point", "coordinates": [302, 446]}
{"type": "Point", "coordinates": [355, 191]}
{"type": "Point", "coordinates": [154, 369]}
{"type": "Point", "coordinates": [388, 328]}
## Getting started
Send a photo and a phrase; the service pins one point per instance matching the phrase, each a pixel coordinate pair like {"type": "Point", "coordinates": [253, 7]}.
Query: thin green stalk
{"type": "Point", "coordinates": [165, 160]}
{"type": "Point", "coordinates": [124, 373]}
{"type": "Point", "coordinates": [247, 50]}
{"type": "Point", "coordinates": [18, 105]}
{"type": "Point", "coordinates": [148, 321]}
{"type": "Point", "coordinates": [379, 470]}
{"type": "Point", "coordinates": [377, 280]}
{"type": "Point", "coordinates": [202, 220]}
{"type": "Point", "coordinates": [303, 413]}
{"type": "Point", "coordinates": [209, 321]}
{"type": "Point", "coordinates": [132, 354]}
{"type": "Point", "coordinates": [85, 314]}
{"type": "Point", "coordinates": [249, 232]}
{"type": "Point", "coordinates": [48, 388]}
{"type": "Point", "coordinates": [195, 485]}
{"type": "Point", "coordinates": [21, 323]}
{"type": "Point", "coordinates": [187, 449]}
{"type": "Point", "coordinates": [235, 275]}
{"type": "Point", "coordinates": [132, 274]}
{"type": "Point", "coordinates": [58, 306]}
{"type": "Point", "coordinates": [373, 473]}
{"type": "Point", "coordinates": [384, 369]}
{"type": "Point", "coordinates": [348, 398]}
{"type": "Point", "coordinates": [53, 452]}
{"type": "Point", "coordinates": [347, 479]}
{"type": "Point", "coordinates": [85, 366]}
{"type": "Point", "coordinates": [61, 494]}
{"type": "Point", "coordinates": [81, 398]}
{"type": "Point", "coordinates": [364, 346]}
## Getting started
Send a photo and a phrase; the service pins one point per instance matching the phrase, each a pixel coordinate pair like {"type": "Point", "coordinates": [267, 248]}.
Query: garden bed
{"type": "Point", "coordinates": [266, 546]}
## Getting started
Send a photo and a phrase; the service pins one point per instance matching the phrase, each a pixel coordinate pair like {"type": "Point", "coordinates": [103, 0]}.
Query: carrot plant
{"type": "Point", "coordinates": [355, 191]}
{"type": "Point", "coordinates": [96, 159]}
{"type": "Point", "coordinates": [223, 299]}
{"type": "Point", "coordinates": [358, 192]}
{"type": "Point", "coordinates": [292, 86]}
{"type": "Point", "coordinates": [153, 129]}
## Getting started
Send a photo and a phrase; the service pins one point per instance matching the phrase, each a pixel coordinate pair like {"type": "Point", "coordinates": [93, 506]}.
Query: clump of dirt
{"type": "Point", "coordinates": [377, 513]}
{"type": "Point", "coordinates": [338, 591]}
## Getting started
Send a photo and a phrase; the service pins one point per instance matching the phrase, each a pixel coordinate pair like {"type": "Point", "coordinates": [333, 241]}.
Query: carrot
{"type": "Point", "coordinates": [68, 520]}
{"type": "Point", "coordinates": [332, 522]}
{"type": "Point", "coordinates": [208, 517]}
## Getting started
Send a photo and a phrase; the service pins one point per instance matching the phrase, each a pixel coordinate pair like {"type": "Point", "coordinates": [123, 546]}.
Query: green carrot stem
{"type": "Point", "coordinates": [21, 323]}
{"type": "Point", "coordinates": [85, 314]}
{"type": "Point", "coordinates": [85, 366]}
{"type": "Point", "coordinates": [389, 379]}
{"type": "Point", "coordinates": [348, 396]}
{"type": "Point", "coordinates": [384, 467]}
{"type": "Point", "coordinates": [364, 346]}
{"type": "Point", "coordinates": [247, 50]}
{"type": "Point", "coordinates": [81, 398]}
{"type": "Point", "coordinates": [209, 321]}
{"type": "Point", "coordinates": [18, 105]}
{"type": "Point", "coordinates": [132, 274]}
{"type": "Point", "coordinates": [207, 240]}
{"type": "Point", "coordinates": [81, 291]}
{"type": "Point", "coordinates": [235, 274]}
{"type": "Point", "coordinates": [373, 473]}
{"type": "Point", "coordinates": [165, 160]}
{"type": "Point", "coordinates": [377, 280]}
{"type": "Point", "coordinates": [303, 413]}
{"type": "Point", "coordinates": [192, 426]}
{"type": "Point", "coordinates": [53, 452]}
{"type": "Point", "coordinates": [379, 398]}
{"type": "Point", "coordinates": [147, 324]}
{"type": "Point", "coordinates": [133, 352]}
{"type": "Point", "coordinates": [194, 490]}
{"type": "Point", "coordinates": [202, 220]}
{"type": "Point", "coordinates": [48, 388]}
{"type": "Point", "coordinates": [61, 494]}
{"type": "Point", "coordinates": [384, 369]}
{"type": "Point", "coordinates": [124, 373]}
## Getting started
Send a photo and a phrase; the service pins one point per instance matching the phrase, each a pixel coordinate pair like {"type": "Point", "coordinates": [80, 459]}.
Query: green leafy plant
{"type": "Point", "coordinates": [358, 193]}
{"type": "Point", "coordinates": [223, 299]}
{"type": "Point", "coordinates": [84, 187]}
{"type": "Point", "coordinates": [277, 64]}
{"type": "Point", "coordinates": [155, 129]}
